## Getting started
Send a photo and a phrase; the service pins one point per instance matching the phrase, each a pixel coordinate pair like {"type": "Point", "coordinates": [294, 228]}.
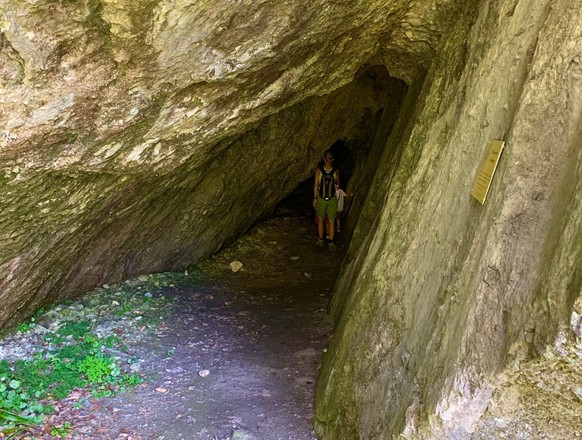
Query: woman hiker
{"type": "Point", "coordinates": [324, 198]}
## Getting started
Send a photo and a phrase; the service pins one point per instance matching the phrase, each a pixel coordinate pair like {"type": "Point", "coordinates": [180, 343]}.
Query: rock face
{"type": "Point", "coordinates": [142, 136]}
{"type": "Point", "coordinates": [138, 137]}
{"type": "Point", "coordinates": [439, 293]}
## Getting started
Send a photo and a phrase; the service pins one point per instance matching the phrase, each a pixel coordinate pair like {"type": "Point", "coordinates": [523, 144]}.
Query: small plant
{"type": "Point", "coordinates": [134, 379]}
{"type": "Point", "coordinates": [112, 341]}
{"type": "Point", "coordinates": [124, 310]}
{"type": "Point", "coordinates": [61, 431]}
{"type": "Point", "coordinates": [12, 424]}
{"type": "Point", "coordinates": [74, 329]}
{"type": "Point", "coordinates": [25, 327]}
{"type": "Point", "coordinates": [101, 392]}
{"type": "Point", "coordinates": [97, 368]}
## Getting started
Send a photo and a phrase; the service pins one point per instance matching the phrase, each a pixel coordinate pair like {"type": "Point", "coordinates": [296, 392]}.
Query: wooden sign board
{"type": "Point", "coordinates": [486, 171]}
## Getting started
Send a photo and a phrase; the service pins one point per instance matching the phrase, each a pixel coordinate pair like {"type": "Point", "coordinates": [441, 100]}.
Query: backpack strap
{"type": "Point", "coordinates": [324, 174]}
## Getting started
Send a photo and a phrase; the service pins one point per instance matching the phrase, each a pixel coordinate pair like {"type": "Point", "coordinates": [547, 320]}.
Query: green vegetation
{"type": "Point", "coordinates": [72, 356]}
{"type": "Point", "coordinates": [14, 424]}
{"type": "Point", "coordinates": [61, 431]}
{"type": "Point", "coordinates": [24, 327]}
{"type": "Point", "coordinates": [77, 359]}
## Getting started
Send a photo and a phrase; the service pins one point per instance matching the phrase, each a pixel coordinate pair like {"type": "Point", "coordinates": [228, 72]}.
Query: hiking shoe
{"type": "Point", "coordinates": [332, 246]}
{"type": "Point", "coordinates": [319, 242]}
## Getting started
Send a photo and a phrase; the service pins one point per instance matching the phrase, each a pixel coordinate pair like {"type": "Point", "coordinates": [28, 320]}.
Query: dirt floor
{"type": "Point", "coordinates": [234, 352]}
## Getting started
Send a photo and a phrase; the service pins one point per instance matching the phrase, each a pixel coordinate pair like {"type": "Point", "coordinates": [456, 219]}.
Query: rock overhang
{"type": "Point", "coordinates": [115, 115]}
{"type": "Point", "coordinates": [122, 86]}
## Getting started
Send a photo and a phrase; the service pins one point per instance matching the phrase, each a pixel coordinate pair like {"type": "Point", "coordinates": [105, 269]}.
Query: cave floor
{"type": "Point", "coordinates": [235, 355]}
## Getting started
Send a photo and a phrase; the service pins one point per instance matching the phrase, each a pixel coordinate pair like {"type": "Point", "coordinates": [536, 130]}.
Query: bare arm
{"type": "Point", "coordinates": [316, 182]}
{"type": "Point", "coordinates": [316, 187]}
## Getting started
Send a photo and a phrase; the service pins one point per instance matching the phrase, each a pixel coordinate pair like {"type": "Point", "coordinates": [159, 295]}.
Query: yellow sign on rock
{"type": "Point", "coordinates": [486, 171]}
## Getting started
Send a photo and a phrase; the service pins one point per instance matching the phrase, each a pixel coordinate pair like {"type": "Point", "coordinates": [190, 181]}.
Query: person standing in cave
{"type": "Point", "coordinates": [325, 200]}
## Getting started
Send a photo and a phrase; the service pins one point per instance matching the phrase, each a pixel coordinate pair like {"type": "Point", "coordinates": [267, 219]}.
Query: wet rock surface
{"type": "Point", "coordinates": [226, 355]}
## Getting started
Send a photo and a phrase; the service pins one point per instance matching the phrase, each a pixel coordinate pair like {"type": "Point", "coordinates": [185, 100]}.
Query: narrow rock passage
{"type": "Point", "coordinates": [236, 354]}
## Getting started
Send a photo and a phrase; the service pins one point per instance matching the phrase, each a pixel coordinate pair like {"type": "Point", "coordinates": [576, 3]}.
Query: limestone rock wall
{"type": "Point", "coordinates": [141, 136]}
{"type": "Point", "coordinates": [440, 293]}
{"type": "Point", "coordinates": [65, 231]}
{"type": "Point", "coordinates": [133, 86]}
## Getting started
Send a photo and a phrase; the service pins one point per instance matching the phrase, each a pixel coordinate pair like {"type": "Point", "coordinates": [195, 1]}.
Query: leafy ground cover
{"type": "Point", "coordinates": [78, 348]}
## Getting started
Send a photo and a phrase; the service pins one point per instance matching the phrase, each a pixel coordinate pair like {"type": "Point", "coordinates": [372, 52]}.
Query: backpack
{"type": "Point", "coordinates": [327, 184]}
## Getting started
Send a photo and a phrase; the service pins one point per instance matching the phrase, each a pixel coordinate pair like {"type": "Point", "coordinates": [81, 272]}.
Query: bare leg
{"type": "Point", "coordinates": [320, 222]}
{"type": "Point", "coordinates": [331, 229]}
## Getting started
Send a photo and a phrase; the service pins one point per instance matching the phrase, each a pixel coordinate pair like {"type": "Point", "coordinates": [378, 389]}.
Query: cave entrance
{"type": "Point", "coordinates": [363, 152]}
{"type": "Point", "coordinates": [343, 160]}
{"type": "Point", "coordinates": [230, 348]}
{"type": "Point", "coordinates": [299, 202]}
{"type": "Point", "coordinates": [374, 99]}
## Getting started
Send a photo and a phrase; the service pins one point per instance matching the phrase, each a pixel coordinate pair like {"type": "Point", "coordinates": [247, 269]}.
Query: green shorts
{"type": "Point", "coordinates": [327, 206]}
